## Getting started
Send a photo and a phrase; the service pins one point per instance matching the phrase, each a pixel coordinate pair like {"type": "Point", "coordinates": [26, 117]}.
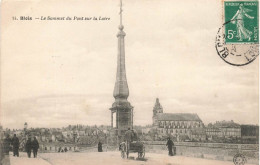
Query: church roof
{"type": "Point", "coordinates": [178, 117]}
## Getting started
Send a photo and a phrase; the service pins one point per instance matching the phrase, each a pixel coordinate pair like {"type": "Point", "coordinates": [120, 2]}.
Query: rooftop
{"type": "Point", "coordinates": [178, 117]}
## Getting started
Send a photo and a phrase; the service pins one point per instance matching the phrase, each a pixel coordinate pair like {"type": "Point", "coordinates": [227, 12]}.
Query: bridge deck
{"type": "Point", "coordinates": [113, 158]}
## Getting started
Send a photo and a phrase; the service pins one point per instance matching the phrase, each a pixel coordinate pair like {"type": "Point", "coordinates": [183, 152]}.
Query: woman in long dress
{"type": "Point", "coordinates": [100, 147]}
{"type": "Point", "coordinates": [238, 19]}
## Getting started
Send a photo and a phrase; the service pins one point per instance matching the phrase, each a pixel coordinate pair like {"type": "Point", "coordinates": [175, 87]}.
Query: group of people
{"type": "Point", "coordinates": [9, 143]}
{"type": "Point", "coordinates": [32, 145]}
{"type": "Point", "coordinates": [62, 150]}
{"type": "Point", "coordinates": [14, 143]}
{"type": "Point", "coordinates": [130, 136]}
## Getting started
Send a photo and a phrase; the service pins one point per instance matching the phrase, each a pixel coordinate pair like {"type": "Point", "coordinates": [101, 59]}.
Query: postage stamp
{"type": "Point", "coordinates": [243, 17]}
{"type": "Point", "coordinates": [237, 40]}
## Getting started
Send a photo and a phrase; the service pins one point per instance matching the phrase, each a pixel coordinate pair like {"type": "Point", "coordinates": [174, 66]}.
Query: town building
{"type": "Point", "coordinates": [213, 132]}
{"type": "Point", "coordinates": [223, 129]}
{"type": "Point", "coordinates": [183, 126]}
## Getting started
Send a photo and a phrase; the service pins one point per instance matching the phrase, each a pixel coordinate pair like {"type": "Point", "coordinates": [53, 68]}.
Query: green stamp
{"type": "Point", "coordinates": [241, 19]}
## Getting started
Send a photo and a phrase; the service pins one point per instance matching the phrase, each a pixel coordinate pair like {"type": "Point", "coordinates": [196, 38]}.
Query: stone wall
{"type": "Point", "coordinates": [55, 148]}
{"type": "Point", "coordinates": [217, 151]}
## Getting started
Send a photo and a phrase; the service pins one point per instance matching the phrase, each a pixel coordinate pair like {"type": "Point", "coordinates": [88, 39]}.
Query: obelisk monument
{"type": "Point", "coordinates": [121, 110]}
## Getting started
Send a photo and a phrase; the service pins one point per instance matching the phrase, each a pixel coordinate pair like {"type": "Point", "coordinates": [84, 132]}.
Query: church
{"type": "Point", "coordinates": [182, 126]}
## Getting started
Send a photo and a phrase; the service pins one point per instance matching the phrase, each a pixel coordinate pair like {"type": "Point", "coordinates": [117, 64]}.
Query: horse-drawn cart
{"type": "Point", "coordinates": [133, 147]}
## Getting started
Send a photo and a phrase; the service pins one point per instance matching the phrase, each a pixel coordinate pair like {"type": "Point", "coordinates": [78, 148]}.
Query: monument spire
{"type": "Point", "coordinates": [121, 109]}
{"type": "Point", "coordinates": [121, 10]}
{"type": "Point", "coordinates": [121, 87]}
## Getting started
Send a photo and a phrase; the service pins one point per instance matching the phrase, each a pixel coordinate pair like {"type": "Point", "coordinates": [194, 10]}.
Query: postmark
{"type": "Point", "coordinates": [235, 54]}
{"type": "Point", "coordinates": [237, 41]}
{"type": "Point", "coordinates": [239, 159]}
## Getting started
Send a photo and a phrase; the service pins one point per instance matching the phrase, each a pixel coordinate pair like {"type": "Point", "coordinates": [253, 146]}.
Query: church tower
{"type": "Point", "coordinates": [156, 109]}
{"type": "Point", "coordinates": [121, 110]}
{"type": "Point", "coordinates": [25, 126]}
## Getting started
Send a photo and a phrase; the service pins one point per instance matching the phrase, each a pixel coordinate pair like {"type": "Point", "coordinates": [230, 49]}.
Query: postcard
{"type": "Point", "coordinates": [138, 82]}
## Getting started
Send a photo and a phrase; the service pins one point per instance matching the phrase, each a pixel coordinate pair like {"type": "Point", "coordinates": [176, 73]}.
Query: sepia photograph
{"type": "Point", "coordinates": [129, 82]}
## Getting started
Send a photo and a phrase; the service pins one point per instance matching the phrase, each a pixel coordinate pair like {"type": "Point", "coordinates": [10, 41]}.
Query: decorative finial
{"type": "Point", "coordinates": [121, 10]}
{"type": "Point", "coordinates": [121, 27]}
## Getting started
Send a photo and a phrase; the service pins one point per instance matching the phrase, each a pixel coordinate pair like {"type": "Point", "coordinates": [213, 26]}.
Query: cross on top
{"type": "Point", "coordinates": [121, 10]}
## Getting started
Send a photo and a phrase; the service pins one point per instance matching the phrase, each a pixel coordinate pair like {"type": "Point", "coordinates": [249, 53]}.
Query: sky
{"type": "Point", "coordinates": [56, 73]}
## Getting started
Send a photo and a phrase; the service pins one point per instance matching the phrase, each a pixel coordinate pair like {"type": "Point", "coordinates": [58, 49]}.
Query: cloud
{"type": "Point", "coordinates": [64, 72]}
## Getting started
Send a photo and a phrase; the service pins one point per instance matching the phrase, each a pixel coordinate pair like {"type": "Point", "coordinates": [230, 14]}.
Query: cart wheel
{"type": "Point", "coordinates": [139, 154]}
{"type": "Point", "coordinates": [127, 153]}
{"type": "Point", "coordinates": [122, 154]}
{"type": "Point", "coordinates": [142, 153]}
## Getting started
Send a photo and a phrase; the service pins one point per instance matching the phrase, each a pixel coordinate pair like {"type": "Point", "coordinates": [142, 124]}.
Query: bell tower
{"type": "Point", "coordinates": [156, 109]}
{"type": "Point", "coordinates": [121, 110]}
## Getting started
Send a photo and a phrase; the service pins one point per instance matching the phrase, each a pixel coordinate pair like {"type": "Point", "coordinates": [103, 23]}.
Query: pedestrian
{"type": "Point", "coordinates": [35, 147]}
{"type": "Point", "coordinates": [170, 144]}
{"type": "Point", "coordinates": [6, 144]}
{"type": "Point", "coordinates": [100, 147]}
{"type": "Point", "coordinates": [128, 139]}
{"type": "Point", "coordinates": [2, 154]}
{"type": "Point", "coordinates": [65, 149]}
{"type": "Point", "coordinates": [16, 144]}
{"type": "Point", "coordinates": [28, 147]}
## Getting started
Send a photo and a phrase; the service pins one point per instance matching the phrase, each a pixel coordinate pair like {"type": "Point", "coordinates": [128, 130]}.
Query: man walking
{"type": "Point", "coordinates": [128, 139]}
{"type": "Point", "coordinates": [35, 147]}
{"type": "Point", "coordinates": [28, 147]}
{"type": "Point", "coordinates": [15, 142]}
{"type": "Point", "coordinates": [170, 144]}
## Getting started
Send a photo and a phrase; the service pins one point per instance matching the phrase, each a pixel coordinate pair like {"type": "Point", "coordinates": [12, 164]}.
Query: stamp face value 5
{"type": "Point", "coordinates": [237, 40]}
{"type": "Point", "coordinates": [243, 18]}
